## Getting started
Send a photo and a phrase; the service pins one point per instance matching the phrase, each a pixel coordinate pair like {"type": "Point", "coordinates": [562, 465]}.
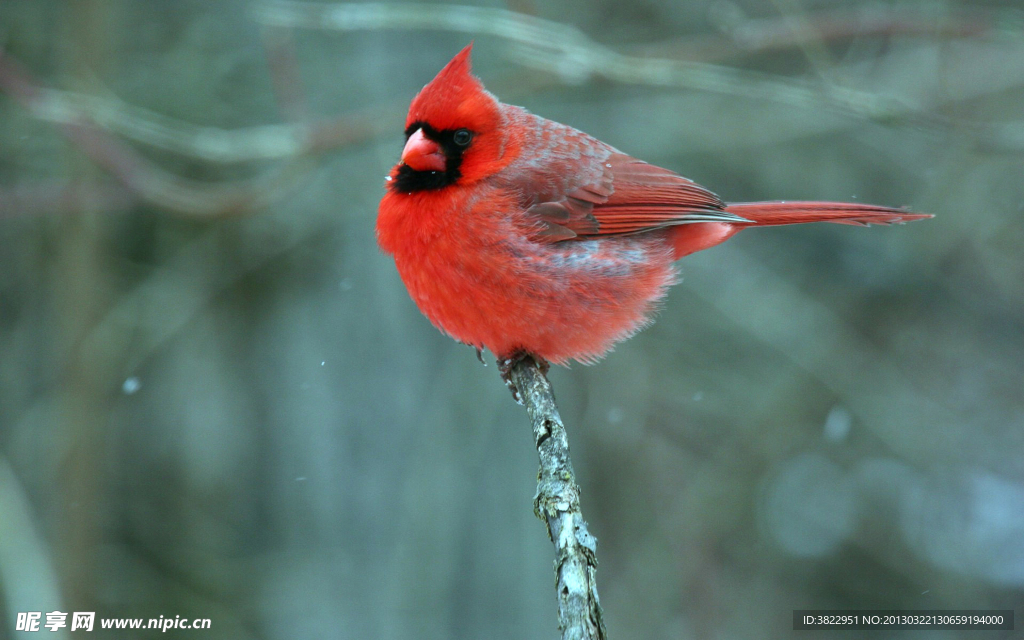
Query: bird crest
{"type": "Point", "coordinates": [454, 97]}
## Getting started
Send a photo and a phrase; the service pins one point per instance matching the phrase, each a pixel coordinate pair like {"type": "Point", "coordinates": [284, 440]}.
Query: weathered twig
{"type": "Point", "coordinates": [557, 503]}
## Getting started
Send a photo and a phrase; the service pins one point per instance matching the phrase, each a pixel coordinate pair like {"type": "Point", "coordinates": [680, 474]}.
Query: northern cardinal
{"type": "Point", "coordinates": [528, 237]}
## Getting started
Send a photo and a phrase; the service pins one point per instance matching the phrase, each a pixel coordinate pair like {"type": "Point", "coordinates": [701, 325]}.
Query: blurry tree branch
{"type": "Point", "coordinates": [740, 36]}
{"type": "Point", "coordinates": [27, 573]}
{"type": "Point", "coordinates": [557, 503]}
{"type": "Point", "coordinates": [94, 123]}
{"type": "Point", "coordinates": [79, 118]}
{"type": "Point", "coordinates": [573, 56]}
{"type": "Point", "coordinates": [89, 122]}
{"type": "Point", "coordinates": [285, 76]}
{"type": "Point", "coordinates": [64, 197]}
{"type": "Point", "coordinates": [209, 144]}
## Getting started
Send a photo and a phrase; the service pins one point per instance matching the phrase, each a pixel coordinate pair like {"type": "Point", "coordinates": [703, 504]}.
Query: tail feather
{"type": "Point", "coordinates": [795, 212]}
{"type": "Point", "coordinates": [689, 238]}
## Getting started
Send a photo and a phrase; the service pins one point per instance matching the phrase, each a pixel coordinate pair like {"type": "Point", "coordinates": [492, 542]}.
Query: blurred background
{"type": "Point", "coordinates": [217, 400]}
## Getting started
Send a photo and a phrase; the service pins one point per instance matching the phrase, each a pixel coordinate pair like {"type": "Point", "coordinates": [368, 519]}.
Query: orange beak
{"type": "Point", "coordinates": [423, 154]}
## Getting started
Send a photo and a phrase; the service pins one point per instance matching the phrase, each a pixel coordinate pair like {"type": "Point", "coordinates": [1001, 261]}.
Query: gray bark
{"type": "Point", "coordinates": [557, 503]}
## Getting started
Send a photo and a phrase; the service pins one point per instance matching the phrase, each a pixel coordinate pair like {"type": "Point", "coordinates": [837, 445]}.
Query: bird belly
{"type": "Point", "coordinates": [563, 301]}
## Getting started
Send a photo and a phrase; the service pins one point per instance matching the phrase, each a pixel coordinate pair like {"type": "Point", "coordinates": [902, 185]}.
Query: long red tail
{"type": "Point", "coordinates": [688, 238]}
{"type": "Point", "coordinates": [783, 212]}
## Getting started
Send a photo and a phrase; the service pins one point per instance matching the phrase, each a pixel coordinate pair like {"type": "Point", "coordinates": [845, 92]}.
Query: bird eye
{"type": "Point", "coordinates": [462, 137]}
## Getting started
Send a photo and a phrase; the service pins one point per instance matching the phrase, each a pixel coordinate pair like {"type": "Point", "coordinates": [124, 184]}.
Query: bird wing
{"type": "Point", "coordinates": [630, 196]}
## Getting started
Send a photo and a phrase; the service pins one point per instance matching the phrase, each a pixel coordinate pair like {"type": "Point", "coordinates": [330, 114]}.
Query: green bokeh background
{"type": "Point", "coordinates": [241, 416]}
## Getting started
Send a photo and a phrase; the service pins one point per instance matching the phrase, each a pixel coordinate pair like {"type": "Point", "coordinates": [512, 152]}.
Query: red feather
{"type": "Point", "coordinates": [538, 238]}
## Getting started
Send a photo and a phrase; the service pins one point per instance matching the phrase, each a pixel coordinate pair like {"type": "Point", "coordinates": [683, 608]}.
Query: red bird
{"type": "Point", "coordinates": [525, 236]}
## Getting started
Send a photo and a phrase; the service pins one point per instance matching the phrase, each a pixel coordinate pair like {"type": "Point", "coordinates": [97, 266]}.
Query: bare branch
{"type": "Point", "coordinates": [285, 78]}
{"type": "Point", "coordinates": [566, 51]}
{"type": "Point", "coordinates": [25, 552]}
{"type": "Point", "coordinates": [158, 187]}
{"type": "Point", "coordinates": [140, 176]}
{"type": "Point", "coordinates": [766, 34]}
{"type": "Point", "coordinates": [557, 503]}
{"type": "Point", "coordinates": [63, 197]}
{"type": "Point", "coordinates": [742, 37]}
{"type": "Point", "coordinates": [210, 144]}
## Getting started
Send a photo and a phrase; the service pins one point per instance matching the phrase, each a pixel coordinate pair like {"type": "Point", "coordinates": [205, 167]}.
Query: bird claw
{"type": "Point", "coordinates": [505, 366]}
{"type": "Point", "coordinates": [479, 351]}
